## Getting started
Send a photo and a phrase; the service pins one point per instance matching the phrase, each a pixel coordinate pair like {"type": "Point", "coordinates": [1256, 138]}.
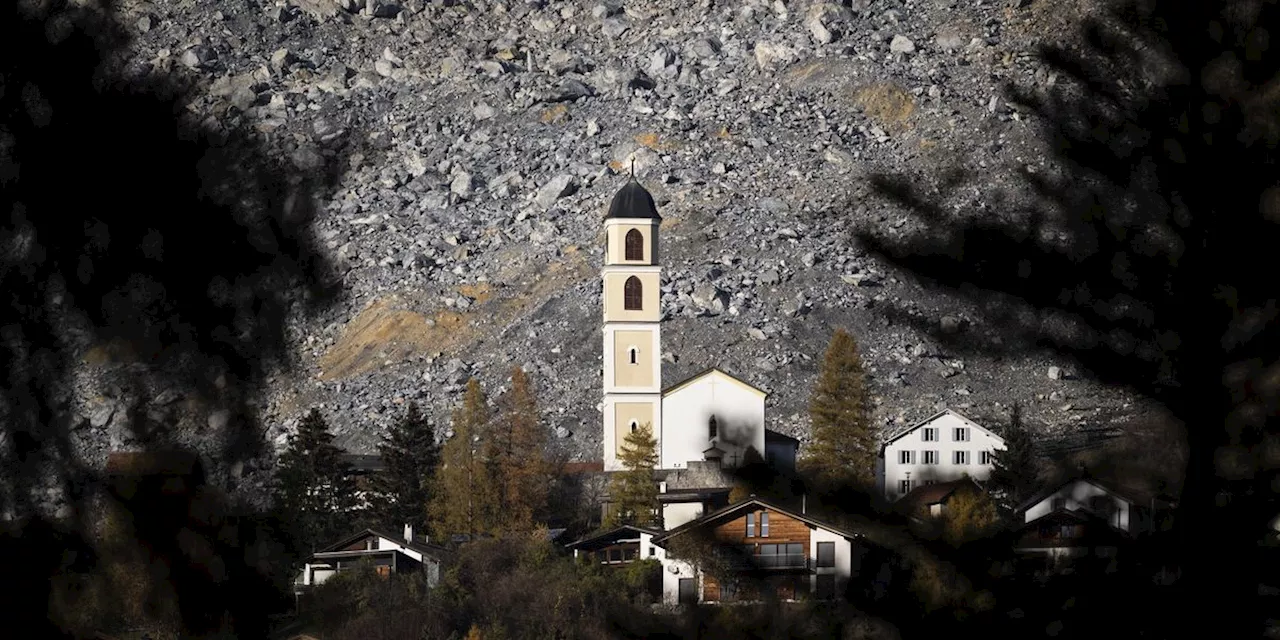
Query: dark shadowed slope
{"type": "Point", "coordinates": [1145, 251]}
{"type": "Point", "coordinates": [185, 248]}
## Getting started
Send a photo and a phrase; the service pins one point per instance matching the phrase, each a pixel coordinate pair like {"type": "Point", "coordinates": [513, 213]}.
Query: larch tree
{"type": "Point", "coordinates": [314, 490]}
{"type": "Point", "coordinates": [969, 514]}
{"type": "Point", "coordinates": [464, 486]}
{"type": "Point", "coordinates": [523, 472]}
{"type": "Point", "coordinates": [845, 441]}
{"type": "Point", "coordinates": [632, 490]}
{"type": "Point", "coordinates": [410, 455]}
{"type": "Point", "coordinates": [1015, 468]}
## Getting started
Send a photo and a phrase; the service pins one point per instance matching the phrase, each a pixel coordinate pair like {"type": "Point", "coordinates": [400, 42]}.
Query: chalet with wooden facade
{"type": "Point", "coordinates": [386, 553]}
{"type": "Point", "coordinates": [731, 554]}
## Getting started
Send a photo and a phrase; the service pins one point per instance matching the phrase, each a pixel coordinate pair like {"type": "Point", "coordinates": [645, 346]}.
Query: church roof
{"type": "Point", "coordinates": [633, 201]}
{"type": "Point", "coordinates": [706, 372]}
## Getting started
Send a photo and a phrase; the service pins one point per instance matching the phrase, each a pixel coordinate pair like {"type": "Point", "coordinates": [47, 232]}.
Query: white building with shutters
{"type": "Point", "coordinates": [945, 446]}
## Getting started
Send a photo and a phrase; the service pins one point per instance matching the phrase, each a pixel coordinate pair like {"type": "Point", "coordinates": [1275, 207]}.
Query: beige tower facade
{"type": "Point", "coordinates": [632, 315]}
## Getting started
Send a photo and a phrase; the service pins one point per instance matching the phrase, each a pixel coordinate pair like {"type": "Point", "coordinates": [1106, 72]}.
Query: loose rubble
{"type": "Point", "coordinates": [467, 231]}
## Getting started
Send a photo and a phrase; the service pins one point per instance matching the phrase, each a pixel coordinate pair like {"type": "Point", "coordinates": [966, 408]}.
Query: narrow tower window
{"type": "Point", "coordinates": [632, 294]}
{"type": "Point", "coordinates": [634, 425]}
{"type": "Point", "coordinates": [712, 427]}
{"type": "Point", "coordinates": [633, 351]}
{"type": "Point", "coordinates": [635, 245]}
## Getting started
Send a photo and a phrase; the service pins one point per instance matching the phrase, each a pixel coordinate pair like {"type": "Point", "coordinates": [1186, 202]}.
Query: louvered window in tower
{"type": "Point", "coordinates": [635, 245]}
{"type": "Point", "coordinates": [632, 294]}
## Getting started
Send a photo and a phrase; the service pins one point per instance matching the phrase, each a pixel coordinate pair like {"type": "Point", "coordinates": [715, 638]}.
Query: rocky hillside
{"type": "Point", "coordinates": [471, 240]}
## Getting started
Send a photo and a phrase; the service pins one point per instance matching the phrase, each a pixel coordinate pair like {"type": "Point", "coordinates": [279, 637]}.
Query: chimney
{"type": "Point", "coordinates": [408, 532]}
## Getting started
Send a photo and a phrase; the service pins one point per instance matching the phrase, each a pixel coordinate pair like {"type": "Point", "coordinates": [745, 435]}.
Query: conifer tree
{"type": "Point", "coordinates": [522, 469]}
{"type": "Point", "coordinates": [464, 485]}
{"type": "Point", "coordinates": [314, 491]}
{"type": "Point", "coordinates": [633, 492]}
{"type": "Point", "coordinates": [410, 455]}
{"type": "Point", "coordinates": [1015, 468]}
{"type": "Point", "coordinates": [845, 441]}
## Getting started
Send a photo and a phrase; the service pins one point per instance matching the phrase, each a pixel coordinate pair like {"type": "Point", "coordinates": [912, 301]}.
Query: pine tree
{"type": "Point", "coordinates": [464, 486]}
{"type": "Point", "coordinates": [845, 442]}
{"type": "Point", "coordinates": [1015, 468]}
{"type": "Point", "coordinates": [314, 490]}
{"type": "Point", "coordinates": [633, 492]}
{"type": "Point", "coordinates": [410, 455]}
{"type": "Point", "coordinates": [522, 470]}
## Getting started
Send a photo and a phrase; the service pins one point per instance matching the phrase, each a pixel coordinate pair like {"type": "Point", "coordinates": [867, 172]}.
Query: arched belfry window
{"type": "Point", "coordinates": [632, 294]}
{"type": "Point", "coordinates": [634, 354]}
{"type": "Point", "coordinates": [712, 427]}
{"type": "Point", "coordinates": [635, 245]}
{"type": "Point", "coordinates": [634, 426]}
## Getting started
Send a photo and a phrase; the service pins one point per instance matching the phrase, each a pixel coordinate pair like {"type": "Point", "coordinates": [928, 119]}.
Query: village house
{"type": "Point", "coordinates": [385, 552]}
{"type": "Point", "coordinates": [619, 546]}
{"type": "Point", "coordinates": [931, 501]}
{"type": "Point", "coordinates": [1082, 516]}
{"type": "Point", "coordinates": [798, 555]}
{"type": "Point", "coordinates": [943, 447]}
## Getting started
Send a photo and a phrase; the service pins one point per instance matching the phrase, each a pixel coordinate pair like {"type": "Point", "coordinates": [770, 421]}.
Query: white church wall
{"type": "Point", "coordinates": [675, 514]}
{"type": "Point", "coordinates": [943, 466]}
{"type": "Point", "coordinates": [739, 412]}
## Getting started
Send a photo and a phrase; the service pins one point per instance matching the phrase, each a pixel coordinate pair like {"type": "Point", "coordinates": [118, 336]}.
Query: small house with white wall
{"type": "Point", "coordinates": [1085, 493]}
{"type": "Point", "coordinates": [619, 546]}
{"type": "Point", "coordinates": [943, 447]}
{"type": "Point", "coordinates": [385, 552]}
{"type": "Point", "coordinates": [801, 556]}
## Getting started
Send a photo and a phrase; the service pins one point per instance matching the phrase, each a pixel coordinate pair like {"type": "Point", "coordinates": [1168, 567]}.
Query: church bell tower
{"type": "Point", "coordinates": [632, 357]}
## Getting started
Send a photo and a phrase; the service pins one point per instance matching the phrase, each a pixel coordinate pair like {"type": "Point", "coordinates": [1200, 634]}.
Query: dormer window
{"type": "Point", "coordinates": [634, 244]}
{"type": "Point", "coordinates": [712, 428]}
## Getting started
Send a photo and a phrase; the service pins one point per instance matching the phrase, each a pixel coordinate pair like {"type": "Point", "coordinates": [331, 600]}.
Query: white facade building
{"type": "Point", "coordinates": [1082, 493]}
{"type": "Point", "coordinates": [711, 414]}
{"type": "Point", "coordinates": [945, 446]}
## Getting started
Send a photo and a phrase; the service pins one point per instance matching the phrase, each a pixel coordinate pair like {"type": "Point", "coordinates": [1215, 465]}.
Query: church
{"type": "Point", "coordinates": [711, 417]}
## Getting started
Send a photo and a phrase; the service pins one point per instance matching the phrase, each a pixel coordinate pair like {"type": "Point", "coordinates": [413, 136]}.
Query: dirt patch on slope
{"type": "Point", "coordinates": [389, 330]}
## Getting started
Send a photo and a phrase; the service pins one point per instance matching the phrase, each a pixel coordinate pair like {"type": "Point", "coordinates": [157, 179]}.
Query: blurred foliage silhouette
{"type": "Point", "coordinates": [1144, 251]}
{"type": "Point", "coordinates": [179, 249]}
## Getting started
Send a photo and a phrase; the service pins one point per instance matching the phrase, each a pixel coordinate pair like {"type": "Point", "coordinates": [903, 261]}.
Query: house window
{"type": "Point", "coordinates": [930, 483]}
{"type": "Point", "coordinates": [764, 524]}
{"type": "Point", "coordinates": [712, 429]}
{"type": "Point", "coordinates": [826, 554]}
{"type": "Point", "coordinates": [931, 457]}
{"type": "Point", "coordinates": [1059, 504]}
{"type": "Point", "coordinates": [929, 434]}
{"type": "Point", "coordinates": [751, 525]}
{"type": "Point", "coordinates": [904, 486]}
{"type": "Point", "coordinates": [633, 353]}
{"type": "Point", "coordinates": [906, 457]}
{"type": "Point", "coordinates": [634, 243]}
{"type": "Point", "coordinates": [653, 551]}
{"type": "Point", "coordinates": [960, 434]}
{"type": "Point", "coordinates": [988, 457]}
{"type": "Point", "coordinates": [633, 294]}
{"type": "Point", "coordinates": [960, 457]}
{"type": "Point", "coordinates": [826, 586]}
